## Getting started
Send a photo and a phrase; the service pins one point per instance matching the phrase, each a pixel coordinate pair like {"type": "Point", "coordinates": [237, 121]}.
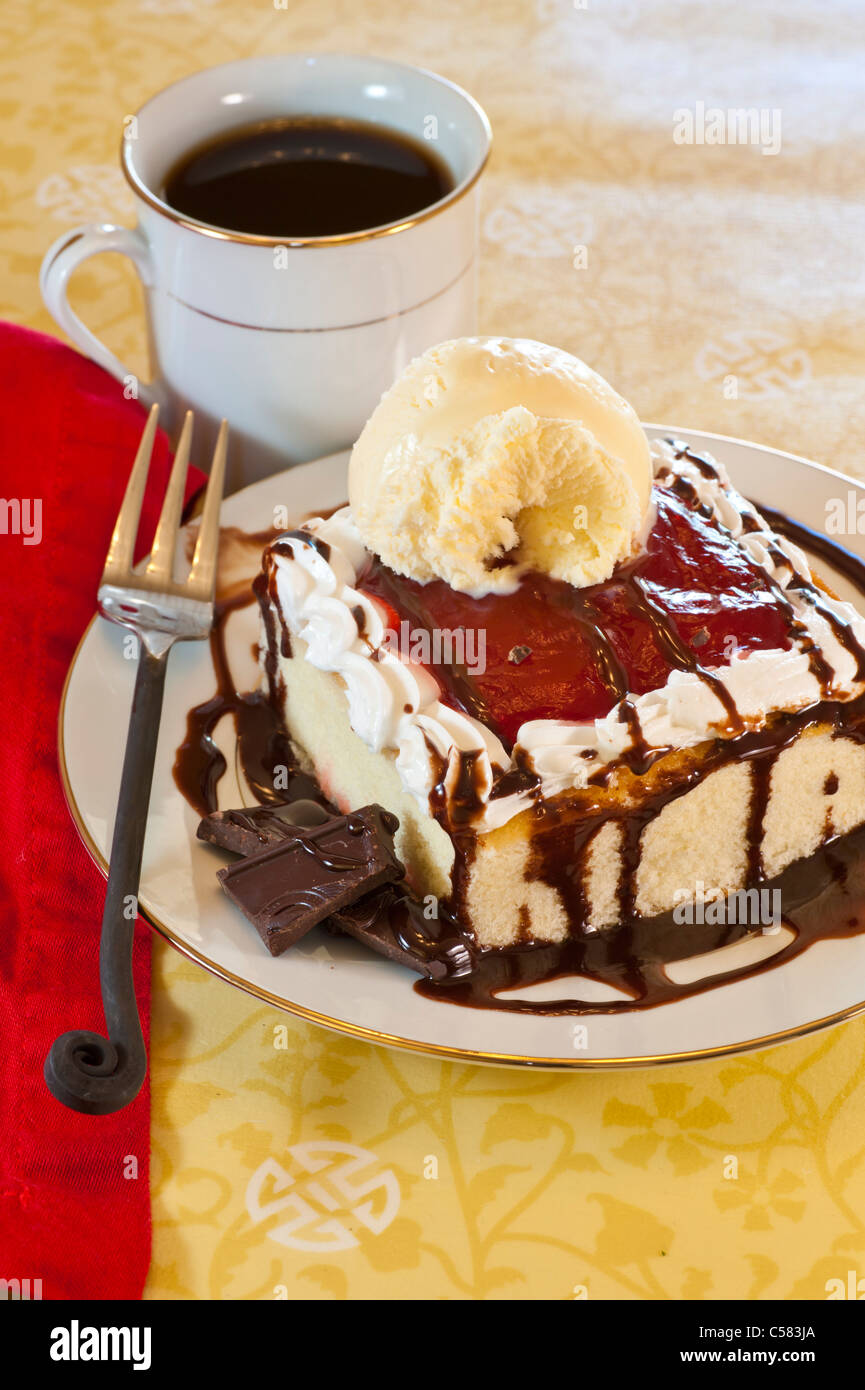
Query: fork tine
{"type": "Point", "coordinates": [161, 563]}
{"type": "Point", "coordinates": [202, 571]}
{"type": "Point", "coordinates": [119, 557]}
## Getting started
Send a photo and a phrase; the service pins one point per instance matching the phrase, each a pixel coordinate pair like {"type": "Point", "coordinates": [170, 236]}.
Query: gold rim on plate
{"type": "Point", "coordinates": [355, 1030]}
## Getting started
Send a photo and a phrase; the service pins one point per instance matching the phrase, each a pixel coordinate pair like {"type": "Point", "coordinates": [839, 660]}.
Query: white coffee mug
{"type": "Point", "coordinates": [292, 339]}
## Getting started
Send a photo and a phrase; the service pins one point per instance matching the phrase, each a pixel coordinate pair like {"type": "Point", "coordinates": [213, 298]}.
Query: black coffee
{"type": "Point", "coordinates": [315, 176]}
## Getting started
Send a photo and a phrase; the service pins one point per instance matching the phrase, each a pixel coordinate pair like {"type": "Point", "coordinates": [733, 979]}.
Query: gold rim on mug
{"type": "Point", "coordinates": [251, 238]}
{"type": "Point", "coordinates": [355, 1030]}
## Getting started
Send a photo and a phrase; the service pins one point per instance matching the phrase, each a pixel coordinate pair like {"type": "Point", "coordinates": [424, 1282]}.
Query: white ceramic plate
{"type": "Point", "coordinates": [339, 984]}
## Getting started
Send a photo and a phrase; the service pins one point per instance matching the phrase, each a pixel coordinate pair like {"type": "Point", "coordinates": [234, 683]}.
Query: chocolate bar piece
{"type": "Point", "coordinates": [399, 926]}
{"type": "Point", "coordinates": [253, 828]}
{"type": "Point", "coordinates": [288, 887]}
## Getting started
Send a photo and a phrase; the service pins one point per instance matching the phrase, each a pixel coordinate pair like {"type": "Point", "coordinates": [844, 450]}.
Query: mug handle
{"type": "Point", "coordinates": [58, 264]}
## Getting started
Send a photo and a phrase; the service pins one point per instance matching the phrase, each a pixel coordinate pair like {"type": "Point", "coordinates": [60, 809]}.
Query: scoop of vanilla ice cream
{"type": "Point", "coordinates": [491, 456]}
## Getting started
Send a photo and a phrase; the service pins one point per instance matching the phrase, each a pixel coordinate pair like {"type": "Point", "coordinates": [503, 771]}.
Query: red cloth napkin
{"type": "Point", "coordinates": [71, 1212]}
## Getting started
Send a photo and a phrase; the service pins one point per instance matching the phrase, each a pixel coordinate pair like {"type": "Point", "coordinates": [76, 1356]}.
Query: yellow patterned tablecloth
{"type": "Point", "coordinates": [716, 286]}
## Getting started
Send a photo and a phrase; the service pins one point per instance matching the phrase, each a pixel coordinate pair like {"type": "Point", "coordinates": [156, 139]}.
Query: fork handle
{"type": "Point", "coordinates": [85, 1071]}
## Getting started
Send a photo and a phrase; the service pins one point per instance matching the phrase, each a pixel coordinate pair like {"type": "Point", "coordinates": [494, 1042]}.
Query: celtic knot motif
{"type": "Point", "coordinates": [320, 1202]}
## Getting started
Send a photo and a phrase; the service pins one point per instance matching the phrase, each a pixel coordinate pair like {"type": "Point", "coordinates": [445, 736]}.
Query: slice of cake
{"type": "Point", "coordinates": [588, 678]}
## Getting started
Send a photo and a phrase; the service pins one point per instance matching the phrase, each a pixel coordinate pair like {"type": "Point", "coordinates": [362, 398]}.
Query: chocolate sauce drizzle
{"type": "Point", "coordinates": [703, 465]}
{"type": "Point", "coordinates": [645, 603]}
{"type": "Point", "coordinates": [823, 896]}
{"type": "Point", "coordinates": [677, 652]}
{"type": "Point", "coordinates": [834, 555]}
{"type": "Point", "coordinates": [311, 539]}
{"type": "Point", "coordinates": [607, 664]}
{"type": "Point", "coordinates": [264, 750]}
{"type": "Point", "coordinates": [680, 654]}
{"type": "Point", "coordinates": [804, 537]}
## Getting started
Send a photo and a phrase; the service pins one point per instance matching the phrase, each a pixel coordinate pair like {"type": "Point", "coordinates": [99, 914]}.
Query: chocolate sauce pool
{"type": "Point", "coordinates": [822, 896]}
{"type": "Point", "coordinates": [264, 750]}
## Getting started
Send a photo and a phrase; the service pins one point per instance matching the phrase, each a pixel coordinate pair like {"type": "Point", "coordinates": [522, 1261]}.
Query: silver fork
{"type": "Point", "coordinates": [85, 1071]}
